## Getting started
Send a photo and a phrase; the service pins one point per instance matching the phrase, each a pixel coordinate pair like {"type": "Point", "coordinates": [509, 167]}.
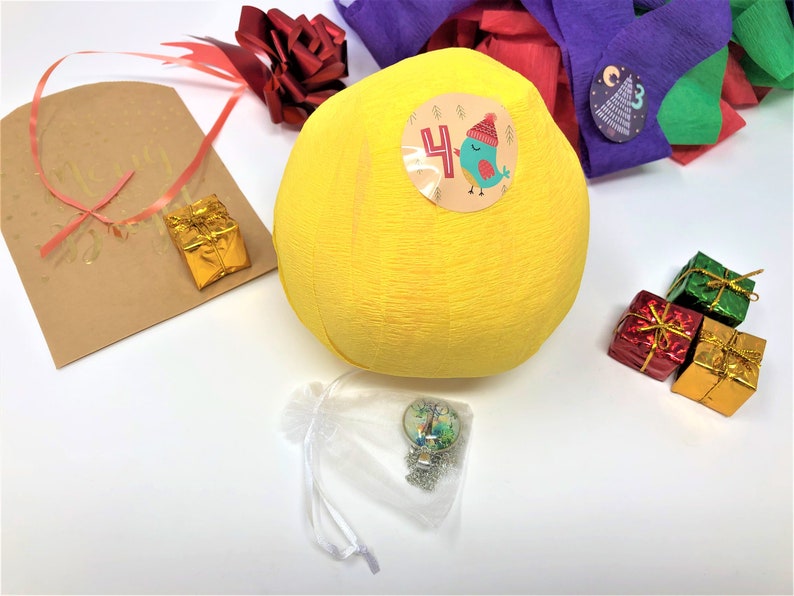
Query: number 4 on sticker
{"type": "Point", "coordinates": [442, 150]}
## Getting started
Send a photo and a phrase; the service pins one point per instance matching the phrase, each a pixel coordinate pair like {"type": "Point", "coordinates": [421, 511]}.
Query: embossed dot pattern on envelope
{"type": "Point", "coordinates": [114, 287]}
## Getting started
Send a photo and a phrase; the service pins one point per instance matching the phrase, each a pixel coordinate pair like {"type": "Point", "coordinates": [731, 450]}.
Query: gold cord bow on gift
{"type": "Point", "coordinates": [206, 223]}
{"type": "Point", "coordinates": [200, 219]}
{"type": "Point", "coordinates": [721, 282]}
{"type": "Point", "coordinates": [748, 358]}
{"type": "Point", "coordinates": [660, 327]}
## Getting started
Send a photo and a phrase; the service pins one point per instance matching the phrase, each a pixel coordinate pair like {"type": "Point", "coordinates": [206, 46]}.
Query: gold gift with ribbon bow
{"type": "Point", "coordinates": [208, 239]}
{"type": "Point", "coordinates": [722, 371]}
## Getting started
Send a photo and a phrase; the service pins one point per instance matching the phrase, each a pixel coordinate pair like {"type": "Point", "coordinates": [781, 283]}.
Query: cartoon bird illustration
{"type": "Point", "coordinates": [478, 155]}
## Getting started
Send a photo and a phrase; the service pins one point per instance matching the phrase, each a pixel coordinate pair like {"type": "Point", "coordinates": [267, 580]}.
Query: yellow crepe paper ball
{"type": "Point", "coordinates": [393, 283]}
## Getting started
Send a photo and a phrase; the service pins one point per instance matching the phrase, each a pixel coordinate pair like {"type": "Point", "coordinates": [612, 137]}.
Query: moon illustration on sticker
{"type": "Point", "coordinates": [618, 102]}
{"type": "Point", "coordinates": [611, 76]}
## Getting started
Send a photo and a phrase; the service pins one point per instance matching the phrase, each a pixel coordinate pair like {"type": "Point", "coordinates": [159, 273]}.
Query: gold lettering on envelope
{"type": "Point", "coordinates": [151, 157]}
{"type": "Point", "coordinates": [92, 253]}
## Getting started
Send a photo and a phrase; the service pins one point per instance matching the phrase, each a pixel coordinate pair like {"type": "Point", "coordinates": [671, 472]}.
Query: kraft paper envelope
{"type": "Point", "coordinates": [95, 288]}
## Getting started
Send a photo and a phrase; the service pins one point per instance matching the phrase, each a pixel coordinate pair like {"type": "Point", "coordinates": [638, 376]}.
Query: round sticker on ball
{"type": "Point", "coordinates": [618, 103]}
{"type": "Point", "coordinates": [460, 151]}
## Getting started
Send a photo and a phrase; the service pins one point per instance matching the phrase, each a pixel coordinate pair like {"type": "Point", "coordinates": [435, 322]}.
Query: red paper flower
{"type": "Point", "coordinates": [293, 65]}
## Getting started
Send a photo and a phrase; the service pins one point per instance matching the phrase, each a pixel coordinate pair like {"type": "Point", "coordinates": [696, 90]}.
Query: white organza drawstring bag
{"type": "Point", "coordinates": [399, 447]}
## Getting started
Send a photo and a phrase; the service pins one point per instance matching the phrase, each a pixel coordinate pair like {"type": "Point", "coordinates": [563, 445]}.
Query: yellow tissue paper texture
{"type": "Point", "coordinates": [391, 282]}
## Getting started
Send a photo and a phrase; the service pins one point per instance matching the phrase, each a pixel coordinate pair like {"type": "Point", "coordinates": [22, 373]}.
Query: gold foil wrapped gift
{"type": "Point", "coordinates": [209, 241]}
{"type": "Point", "coordinates": [722, 370]}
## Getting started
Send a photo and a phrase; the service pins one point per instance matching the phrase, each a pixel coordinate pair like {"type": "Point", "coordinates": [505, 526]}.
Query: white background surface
{"type": "Point", "coordinates": [141, 469]}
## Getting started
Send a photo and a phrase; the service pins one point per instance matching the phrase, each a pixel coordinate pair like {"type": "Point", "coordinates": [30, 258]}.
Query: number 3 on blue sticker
{"type": "Point", "coordinates": [639, 93]}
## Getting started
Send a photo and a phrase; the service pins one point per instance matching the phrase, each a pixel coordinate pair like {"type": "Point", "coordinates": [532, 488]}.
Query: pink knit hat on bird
{"type": "Point", "coordinates": [484, 131]}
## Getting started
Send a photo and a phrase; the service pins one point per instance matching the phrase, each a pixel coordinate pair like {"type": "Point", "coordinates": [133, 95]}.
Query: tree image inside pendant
{"type": "Point", "coordinates": [431, 424]}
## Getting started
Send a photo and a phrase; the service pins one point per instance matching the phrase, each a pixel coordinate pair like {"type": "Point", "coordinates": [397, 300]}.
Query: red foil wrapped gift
{"type": "Point", "coordinates": [654, 335]}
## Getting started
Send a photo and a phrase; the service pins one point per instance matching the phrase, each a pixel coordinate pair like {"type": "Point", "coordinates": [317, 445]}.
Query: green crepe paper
{"type": "Point", "coordinates": [764, 29]}
{"type": "Point", "coordinates": [693, 292]}
{"type": "Point", "coordinates": [690, 112]}
{"type": "Point", "coordinates": [760, 78]}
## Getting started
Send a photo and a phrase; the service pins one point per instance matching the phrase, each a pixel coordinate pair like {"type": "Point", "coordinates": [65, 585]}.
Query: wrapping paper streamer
{"type": "Point", "coordinates": [670, 40]}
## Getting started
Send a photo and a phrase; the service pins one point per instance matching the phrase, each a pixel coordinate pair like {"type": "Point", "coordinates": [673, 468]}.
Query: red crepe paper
{"type": "Point", "coordinates": [736, 89]}
{"type": "Point", "coordinates": [507, 32]}
{"type": "Point", "coordinates": [511, 35]}
{"type": "Point", "coordinates": [737, 93]}
{"type": "Point", "coordinates": [292, 65]}
{"type": "Point", "coordinates": [731, 122]}
{"type": "Point", "coordinates": [761, 92]}
{"type": "Point", "coordinates": [741, 93]}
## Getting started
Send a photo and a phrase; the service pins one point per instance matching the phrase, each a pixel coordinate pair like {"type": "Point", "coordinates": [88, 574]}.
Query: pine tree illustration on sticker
{"type": "Point", "coordinates": [455, 143]}
{"type": "Point", "coordinates": [617, 103]}
{"type": "Point", "coordinates": [509, 135]}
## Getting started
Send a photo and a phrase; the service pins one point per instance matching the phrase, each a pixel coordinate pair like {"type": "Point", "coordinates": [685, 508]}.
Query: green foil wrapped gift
{"type": "Point", "coordinates": [706, 286]}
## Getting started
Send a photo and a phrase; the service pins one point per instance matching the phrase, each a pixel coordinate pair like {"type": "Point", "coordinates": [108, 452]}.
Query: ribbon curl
{"type": "Point", "coordinates": [206, 65]}
{"type": "Point", "coordinates": [292, 65]}
{"type": "Point", "coordinates": [306, 57]}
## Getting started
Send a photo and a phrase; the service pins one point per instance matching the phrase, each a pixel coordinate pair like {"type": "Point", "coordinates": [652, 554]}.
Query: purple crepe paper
{"type": "Point", "coordinates": [660, 46]}
{"type": "Point", "coordinates": [394, 30]}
